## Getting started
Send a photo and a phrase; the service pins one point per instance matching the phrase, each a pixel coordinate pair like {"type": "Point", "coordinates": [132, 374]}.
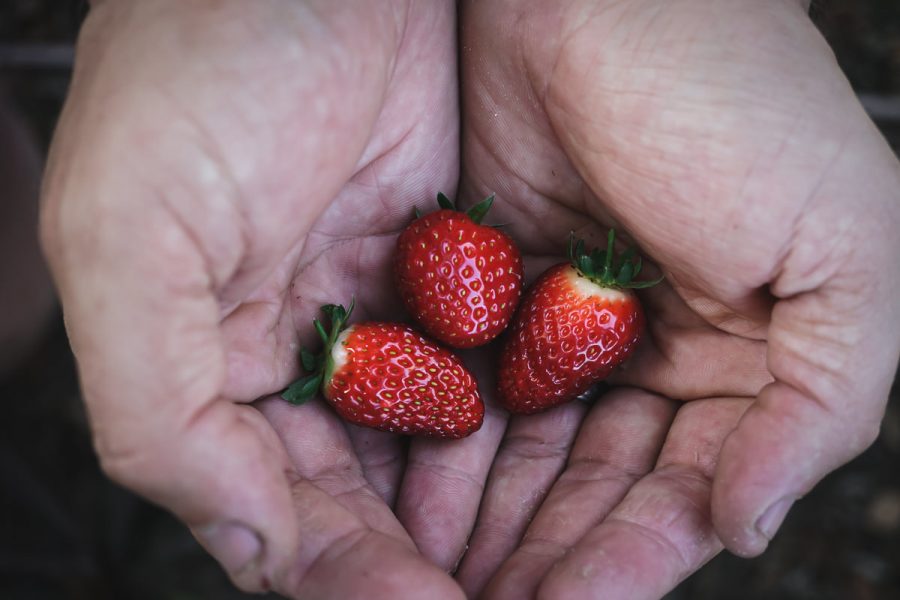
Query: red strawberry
{"type": "Point", "coordinates": [389, 377]}
{"type": "Point", "coordinates": [576, 323]}
{"type": "Point", "coordinates": [460, 280]}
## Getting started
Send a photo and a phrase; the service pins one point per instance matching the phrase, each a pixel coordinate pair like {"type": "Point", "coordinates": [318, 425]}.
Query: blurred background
{"type": "Point", "coordinates": [68, 533]}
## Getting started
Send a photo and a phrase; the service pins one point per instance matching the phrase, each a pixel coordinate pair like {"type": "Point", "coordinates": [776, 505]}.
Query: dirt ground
{"type": "Point", "coordinates": [68, 533]}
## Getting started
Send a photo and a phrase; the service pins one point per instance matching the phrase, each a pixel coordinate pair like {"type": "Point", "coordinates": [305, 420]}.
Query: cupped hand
{"type": "Point", "coordinates": [723, 139]}
{"type": "Point", "coordinates": [222, 169]}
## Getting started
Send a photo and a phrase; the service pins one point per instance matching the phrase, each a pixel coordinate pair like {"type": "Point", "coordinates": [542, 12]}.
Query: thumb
{"type": "Point", "coordinates": [143, 325]}
{"type": "Point", "coordinates": [833, 346]}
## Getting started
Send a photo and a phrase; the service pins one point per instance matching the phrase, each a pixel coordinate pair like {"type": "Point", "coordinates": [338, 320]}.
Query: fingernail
{"type": "Point", "coordinates": [771, 519]}
{"type": "Point", "coordinates": [235, 546]}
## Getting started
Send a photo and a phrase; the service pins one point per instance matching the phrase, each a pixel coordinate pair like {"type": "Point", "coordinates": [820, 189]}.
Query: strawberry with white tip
{"type": "Point", "coordinates": [577, 322]}
{"type": "Point", "coordinates": [389, 377]}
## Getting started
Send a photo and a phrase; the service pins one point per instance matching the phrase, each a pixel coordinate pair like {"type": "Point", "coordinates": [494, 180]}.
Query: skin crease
{"type": "Point", "coordinates": [578, 115]}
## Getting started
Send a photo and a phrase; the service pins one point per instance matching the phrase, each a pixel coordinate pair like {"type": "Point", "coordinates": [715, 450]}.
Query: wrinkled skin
{"type": "Point", "coordinates": [223, 168]}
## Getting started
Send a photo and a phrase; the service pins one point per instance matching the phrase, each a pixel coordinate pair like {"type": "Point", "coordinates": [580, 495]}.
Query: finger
{"type": "Point", "coordinates": [786, 443]}
{"type": "Point", "coordinates": [442, 488]}
{"type": "Point", "coordinates": [618, 443]}
{"type": "Point", "coordinates": [661, 531]}
{"type": "Point", "coordinates": [340, 556]}
{"type": "Point", "coordinates": [339, 526]}
{"type": "Point", "coordinates": [388, 573]}
{"type": "Point", "coordinates": [531, 456]}
{"type": "Point", "coordinates": [321, 452]}
{"type": "Point", "coordinates": [261, 338]}
{"type": "Point", "coordinates": [344, 525]}
{"type": "Point", "coordinates": [444, 479]}
{"type": "Point", "coordinates": [382, 457]}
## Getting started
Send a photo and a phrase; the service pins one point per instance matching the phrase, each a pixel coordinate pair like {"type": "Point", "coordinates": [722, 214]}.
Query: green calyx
{"type": "Point", "coordinates": [476, 213]}
{"type": "Point", "coordinates": [319, 367]}
{"type": "Point", "coordinates": [605, 267]}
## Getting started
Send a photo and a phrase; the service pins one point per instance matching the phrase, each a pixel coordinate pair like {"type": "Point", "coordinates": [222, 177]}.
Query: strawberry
{"type": "Point", "coordinates": [460, 280]}
{"type": "Point", "coordinates": [389, 377]}
{"type": "Point", "coordinates": [576, 323]}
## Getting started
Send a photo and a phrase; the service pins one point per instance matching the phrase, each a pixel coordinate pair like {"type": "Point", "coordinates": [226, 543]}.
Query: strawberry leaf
{"type": "Point", "coordinates": [625, 274]}
{"type": "Point", "coordinates": [320, 330]}
{"type": "Point", "coordinates": [626, 257]}
{"type": "Point", "coordinates": [308, 360]}
{"type": "Point", "coordinates": [445, 202]}
{"type": "Point", "coordinates": [585, 264]}
{"type": "Point", "coordinates": [477, 212]}
{"type": "Point", "coordinates": [303, 389]}
{"type": "Point", "coordinates": [598, 257]}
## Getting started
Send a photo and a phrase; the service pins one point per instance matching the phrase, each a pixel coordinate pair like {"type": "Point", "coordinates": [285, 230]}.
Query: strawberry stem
{"type": "Point", "coordinates": [610, 249]}
{"type": "Point", "coordinates": [605, 268]}
{"type": "Point", "coordinates": [319, 367]}
{"type": "Point", "coordinates": [321, 331]}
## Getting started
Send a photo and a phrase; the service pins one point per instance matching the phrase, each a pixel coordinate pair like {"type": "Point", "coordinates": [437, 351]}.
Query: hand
{"type": "Point", "coordinates": [220, 171]}
{"type": "Point", "coordinates": [723, 138]}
